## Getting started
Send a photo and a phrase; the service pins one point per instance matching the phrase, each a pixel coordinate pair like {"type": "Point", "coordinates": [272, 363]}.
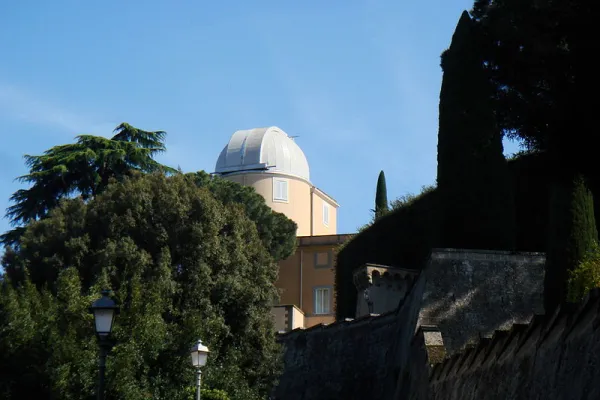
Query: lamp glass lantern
{"type": "Point", "coordinates": [199, 353]}
{"type": "Point", "coordinates": [104, 310]}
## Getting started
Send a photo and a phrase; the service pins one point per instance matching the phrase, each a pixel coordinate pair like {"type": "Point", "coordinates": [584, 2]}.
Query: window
{"type": "Point", "coordinates": [280, 189]}
{"type": "Point", "coordinates": [325, 214]}
{"type": "Point", "coordinates": [322, 300]}
{"type": "Point", "coordinates": [323, 259]}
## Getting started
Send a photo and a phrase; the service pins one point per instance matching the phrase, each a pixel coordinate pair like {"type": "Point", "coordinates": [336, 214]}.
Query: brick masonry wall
{"type": "Point", "coordinates": [475, 292]}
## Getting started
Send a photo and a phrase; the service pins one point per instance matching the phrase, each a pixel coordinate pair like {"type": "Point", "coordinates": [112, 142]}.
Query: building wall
{"type": "Point", "coordinates": [297, 208]}
{"type": "Point", "coordinates": [279, 318]}
{"type": "Point", "coordinates": [319, 199]}
{"type": "Point", "coordinates": [304, 205]}
{"type": "Point", "coordinates": [295, 318]}
{"type": "Point", "coordinates": [299, 277]}
{"type": "Point", "coordinates": [287, 317]}
{"type": "Point", "coordinates": [288, 281]}
{"type": "Point", "coordinates": [318, 273]}
{"type": "Point", "coordinates": [313, 320]}
{"type": "Point", "coordinates": [309, 268]}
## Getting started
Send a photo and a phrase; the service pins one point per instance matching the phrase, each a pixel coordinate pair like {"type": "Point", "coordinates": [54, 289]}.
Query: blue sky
{"type": "Point", "coordinates": [357, 81]}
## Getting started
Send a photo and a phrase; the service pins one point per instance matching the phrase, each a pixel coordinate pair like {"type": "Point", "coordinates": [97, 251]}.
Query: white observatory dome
{"type": "Point", "coordinates": [268, 150]}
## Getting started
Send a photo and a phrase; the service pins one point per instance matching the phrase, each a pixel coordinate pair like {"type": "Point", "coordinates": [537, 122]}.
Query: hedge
{"type": "Point", "coordinates": [405, 236]}
{"type": "Point", "coordinates": [402, 237]}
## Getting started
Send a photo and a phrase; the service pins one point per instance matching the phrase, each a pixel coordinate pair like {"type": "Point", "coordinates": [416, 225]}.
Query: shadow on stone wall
{"type": "Point", "coordinates": [472, 293]}
{"type": "Point", "coordinates": [553, 357]}
{"type": "Point", "coordinates": [364, 358]}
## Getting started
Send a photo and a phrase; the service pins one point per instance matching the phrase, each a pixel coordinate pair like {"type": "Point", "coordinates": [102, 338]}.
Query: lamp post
{"type": "Point", "coordinates": [199, 353]}
{"type": "Point", "coordinates": [104, 310]}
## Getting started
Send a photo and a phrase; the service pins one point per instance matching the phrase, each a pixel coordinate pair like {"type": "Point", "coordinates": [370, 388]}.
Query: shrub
{"type": "Point", "coordinates": [586, 276]}
{"type": "Point", "coordinates": [572, 233]}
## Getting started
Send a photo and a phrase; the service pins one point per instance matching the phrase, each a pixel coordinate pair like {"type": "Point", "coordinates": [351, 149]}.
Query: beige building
{"type": "Point", "coordinates": [274, 165]}
{"type": "Point", "coordinates": [306, 279]}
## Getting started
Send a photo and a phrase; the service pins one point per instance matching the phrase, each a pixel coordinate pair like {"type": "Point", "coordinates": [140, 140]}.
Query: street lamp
{"type": "Point", "coordinates": [199, 353]}
{"type": "Point", "coordinates": [104, 310]}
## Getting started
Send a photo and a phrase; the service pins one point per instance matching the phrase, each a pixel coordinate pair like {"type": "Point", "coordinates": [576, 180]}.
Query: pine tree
{"type": "Point", "coordinates": [476, 200]}
{"type": "Point", "coordinates": [381, 201]}
{"type": "Point", "coordinates": [84, 168]}
{"type": "Point", "coordinates": [572, 233]}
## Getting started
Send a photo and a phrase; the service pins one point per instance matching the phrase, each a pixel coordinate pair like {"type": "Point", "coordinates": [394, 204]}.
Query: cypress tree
{"type": "Point", "coordinates": [572, 233]}
{"type": "Point", "coordinates": [381, 201]}
{"type": "Point", "coordinates": [477, 205]}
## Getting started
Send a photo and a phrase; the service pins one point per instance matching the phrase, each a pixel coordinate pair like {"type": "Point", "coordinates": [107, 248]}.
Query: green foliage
{"type": "Point", "coordinates": [83, 169]}
{"type": "Point", "coordinates": [572, 234]}
{"type": "Point", "coordinates": [539, 60]}
{"type": "Point", "coordinates": [24, 342]}
{"type": "Point", "coordinates": [277, 232]}
{"type": "Point", "coordinates": [41, 351]}
{"type": "Point", "coordinates": [214, 394]}
{"type": "Point", "coordinates": [477, 209]}
{"type": "Point", "coordinates": [410, 198]}
{"type": "Point", "coordinates": [207, 394]}
{"type": "Point", "coordinates": [182, 266]}
{"type": "Point", "coordinates": [586, 276]}
{"type": "Point", "coordinates": [381, 201]}
{"type": "Point", "coordinates": [403, 237]}
{"type": "Point", "coordinates": [583, 233]}
{"type": "Point", "coordinates": [400, 202]}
